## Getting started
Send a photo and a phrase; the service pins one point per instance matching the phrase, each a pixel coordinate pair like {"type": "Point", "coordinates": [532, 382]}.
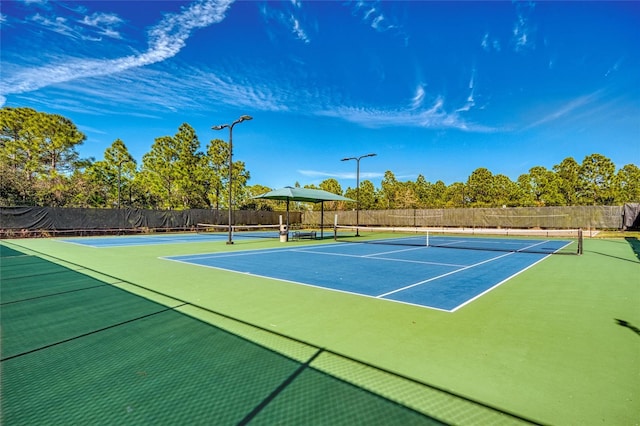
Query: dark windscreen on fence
{"type": "Point", "coordinates": [631, 216]}
{"type": "Point", "coordinates": [572, 217]}
{"type": "Point", "coordinates": [58, 219]}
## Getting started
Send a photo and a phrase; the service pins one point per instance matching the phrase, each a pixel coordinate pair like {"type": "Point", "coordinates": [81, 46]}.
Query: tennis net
{"type": "Point", "coordinates": [249, 231]}
{"type": "Point", "coordinates": [545, 241]}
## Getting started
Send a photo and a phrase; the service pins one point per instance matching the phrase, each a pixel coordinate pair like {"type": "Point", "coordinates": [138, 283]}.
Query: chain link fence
{"type": "Point", "coordinates": [22, 221]}
{"type": "Point", "coordinates": [586, 217]}
{"type": "Point", "coordinates": [30, 221]}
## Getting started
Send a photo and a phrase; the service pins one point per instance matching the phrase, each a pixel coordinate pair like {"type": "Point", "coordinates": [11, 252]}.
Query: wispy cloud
{"type": "Point", "coordinates": [57, 24]}
{"type": "Point", "coordinates": [371, 14]}
{"type": "Point", "coordinates": [434, 117]}
{"type": "Point", "coordinates": [288, 20]}
{"type": "Point", "coordinates": [160, 91]}
{"type": "Point", "coordinates": [90, 28]}
{"type": "Point", "coordinates": [299, 31]}
{"type": "Point", "coordinates": [470, 103]}
{"type": "Point", "coordinates": [490, 44]}
{"type": "Point", "coordinates": [125, 82]}
{"type": "Point", "coordinates": [105, 23]}
{"type": "Point", "coordinates": [418, 98]}
{"type": "Point", "coordinates": [165, 40]}
{"type": "Point", "coordinates": [523, 31]}
{"type": "Point", "coordinates": [568, 109]}
{"type": "Point", "coordinates": [614, 68]}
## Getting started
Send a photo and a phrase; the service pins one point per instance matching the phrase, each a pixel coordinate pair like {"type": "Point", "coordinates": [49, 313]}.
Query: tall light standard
{"type": "Point", "coordinates": [230, 126]}
{"type": "Point", "coordinates": [358, 186]}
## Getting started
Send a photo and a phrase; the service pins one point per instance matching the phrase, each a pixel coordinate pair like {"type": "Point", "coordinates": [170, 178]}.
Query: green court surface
{"type": "Point", "coordinates": [120, 336]}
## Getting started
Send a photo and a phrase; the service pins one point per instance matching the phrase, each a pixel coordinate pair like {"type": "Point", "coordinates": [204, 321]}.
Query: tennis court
{"type": "Point", "coordinates": [122, 335]}
{"type": "Point", "coordinates": [431, 277]}
{"type": "Point", "coordinates": [220, 234]}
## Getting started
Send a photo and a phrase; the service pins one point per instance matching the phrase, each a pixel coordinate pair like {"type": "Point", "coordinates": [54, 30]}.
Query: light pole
{"type": "Point", "coordinates": [358, 186]}
{"type": "Point", "coordinates": [230, 126]}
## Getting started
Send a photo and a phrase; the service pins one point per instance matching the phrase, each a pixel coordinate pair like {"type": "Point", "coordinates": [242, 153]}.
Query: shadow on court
{"type": "Point", "coordinates": [628, 325]}
{"type": "Point", "coordinates": [632, 241]}
{"type": "Point", "coordinates": [635, 245]}
{"type": "Point", "coordinates": [79, 351]}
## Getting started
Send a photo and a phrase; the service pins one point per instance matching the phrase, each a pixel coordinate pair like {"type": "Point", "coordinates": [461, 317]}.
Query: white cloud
{"type": "Point", "coordinates": [470, 103]}
{"type": "Point", "coordinates": [104, 23]}
{"type": "Point", "coordinates": [567, 109]}
{"type": "Point", "coordinates": [57, 24]}
{"type": "Point", "coordinates": [287, 20]}
{"type": "Point", "coordinates": [98, 19]}
{"type": "Point", "coordinates": [100, 24]}
{"type": "Point", "coordinates": [523, 32]}
{"type": "Point", "coordinates": [435, 117]}
{"type": "Point", "coordinates": [490, 44]}
{"type": "Point", "coordinates": [418, 98]}
{"type": "Point", "coordinates": [127, 83]}
{"type": "Point", "coordinates": [298, 31]}
{"type": "Point", "coordinates": [166, 39]}
{"type": "Point", "coordinates": [614, 68]}
{"type": "Point", "coordinates": [372, 16]}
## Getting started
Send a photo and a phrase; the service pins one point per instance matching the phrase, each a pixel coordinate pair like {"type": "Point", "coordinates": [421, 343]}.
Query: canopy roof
{"type": "Point", "coordinates": [289, 193]}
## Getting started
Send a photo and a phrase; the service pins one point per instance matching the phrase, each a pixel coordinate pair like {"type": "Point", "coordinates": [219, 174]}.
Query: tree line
{"type": "Point", "coordinates": [40, 166]}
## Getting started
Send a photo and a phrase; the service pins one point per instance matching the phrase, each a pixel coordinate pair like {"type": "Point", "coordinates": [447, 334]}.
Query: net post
{"type": "Point", "coordinates": [580, 241]}
{"type": "Point", "coordinates": [335, 227]}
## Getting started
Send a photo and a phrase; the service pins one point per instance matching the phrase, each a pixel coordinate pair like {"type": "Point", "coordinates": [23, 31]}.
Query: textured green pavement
{"type": "Point", "coordinates": [559, 343]}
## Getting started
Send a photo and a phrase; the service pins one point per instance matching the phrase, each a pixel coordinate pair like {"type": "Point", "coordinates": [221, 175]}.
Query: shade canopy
{"type": "Point", "coordinates": [289, 193]}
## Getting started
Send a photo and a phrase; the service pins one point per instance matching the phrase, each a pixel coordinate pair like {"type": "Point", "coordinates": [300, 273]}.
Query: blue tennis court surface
{"type": "Point", "coordinates": [433, 277]}
{"type": "Point", "coordinates": [154, 239]}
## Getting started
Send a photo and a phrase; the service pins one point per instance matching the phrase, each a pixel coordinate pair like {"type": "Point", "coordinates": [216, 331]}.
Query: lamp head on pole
{"type": "Point", "coordinates": [358, 158]}
{"type": "Point", "coordinates": [220, 127]}
{"type": "Point", "coordinates": [241, 119]}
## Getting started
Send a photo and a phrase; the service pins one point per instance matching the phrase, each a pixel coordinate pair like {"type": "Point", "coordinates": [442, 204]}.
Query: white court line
{"type": "Point", "coordinates": [395, 251]}
{"type": "Point", "coordinates": [75, 243]}
{"type": "Point", "coordinates": [443, 275]}
{"type": "Point", "coordinates": [247, 252]}
{"type": "Point", "coordinates": [126, 240]}
{"type": "Point", "coordinates": [191, 257]}
{"type": "Point", "coordinates": [533, 245]}
{"type": "Point", "coordinates": [421, 262]}
{"type": "Point", "coordinates": [498, 284]}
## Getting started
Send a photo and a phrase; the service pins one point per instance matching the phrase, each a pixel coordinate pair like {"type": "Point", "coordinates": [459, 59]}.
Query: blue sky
{"type": "Point", "coordinates": [433, 88]}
